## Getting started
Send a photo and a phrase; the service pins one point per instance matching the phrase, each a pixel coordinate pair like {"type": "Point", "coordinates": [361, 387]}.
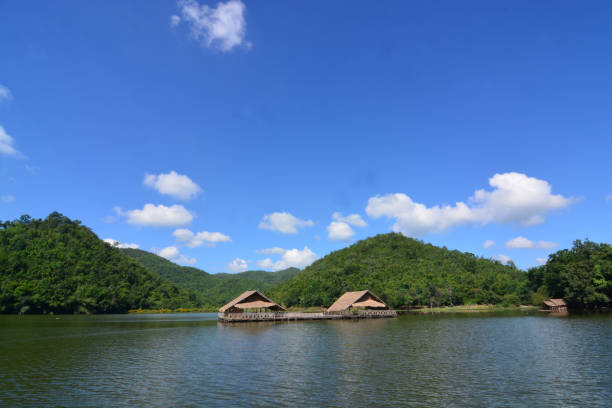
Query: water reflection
{"type": "Point", "coordinates": [191, 360]}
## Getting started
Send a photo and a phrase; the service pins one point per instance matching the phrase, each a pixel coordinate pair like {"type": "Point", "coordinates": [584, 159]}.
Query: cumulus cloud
{"type": "Point", "coordinates": [172, 253]}
{"type": "Point", "coordinates": [502, 258]}
{"type": "Point", "coordinates": [158, 216]}
{"type": "Point", "coordinates": [173, 184]}
{"type": "Point", "coordinates": [223, 26]}
{"type": "Point", "coordinates": [238, 265]}
{"type": "Point", "coordinates": [541, 261]}
{"type": "Point", "coordinates": [488, 243]}
{"type": "Point", "coordinates": [515, 198]}
{"type": "Point", "coordinates": [340, 229]}
{"type": "Point", "coordinates": [273, 250]}
{"type": "Point", "coordinates": [7, 144]}
{"type": "Point", "coordinates": [188, 238]}
{"type": "Point", "coordinates": [117, 244]}
{"type": "Point", "coordinates": [524, 243]}
{"type": "Point", "coordinates": [5, 93]}
{"type": "Point", "coordinates": [290, 258]}
{"type": "Point", "coordinates": [283, 222]}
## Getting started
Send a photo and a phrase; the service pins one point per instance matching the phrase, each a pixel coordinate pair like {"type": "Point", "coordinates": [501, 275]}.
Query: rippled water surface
{"type": "Point", "coordinates": [508, 360]}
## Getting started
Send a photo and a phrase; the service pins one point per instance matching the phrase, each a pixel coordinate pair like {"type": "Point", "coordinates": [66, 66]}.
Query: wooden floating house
{"type": "Point", "coordinates": [254, 306]}
{"type": "Point", "coordinates": [554, 305]}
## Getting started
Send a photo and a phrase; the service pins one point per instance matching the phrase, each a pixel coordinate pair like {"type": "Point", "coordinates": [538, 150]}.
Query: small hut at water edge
{"type": "Point", "coordinates": [250, 300]}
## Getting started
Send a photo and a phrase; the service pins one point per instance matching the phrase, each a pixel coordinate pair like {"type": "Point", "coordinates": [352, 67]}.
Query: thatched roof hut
{"type": "Point", "coordinates": [554, 305]}
{"type": "Point", "coordinates": [251, 299]}
{"type": "Point", "coordinates": [362, 298]}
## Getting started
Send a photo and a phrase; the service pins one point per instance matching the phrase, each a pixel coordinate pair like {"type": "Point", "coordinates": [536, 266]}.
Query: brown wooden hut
{"type": "Point", "coordinates": [363, 299]}
{"type": "Point", "coordinates": [554, 305]}
{"type": "Point", "coordinates": [251, 299]}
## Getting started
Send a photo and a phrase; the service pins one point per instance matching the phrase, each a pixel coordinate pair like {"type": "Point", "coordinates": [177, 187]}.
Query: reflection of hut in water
{"type": "Point", "coordinates": [360, 300]}
{"type": "Point", "coordinates": [250, 300]}
{"type": "Point", "coordinates": [554, 305]}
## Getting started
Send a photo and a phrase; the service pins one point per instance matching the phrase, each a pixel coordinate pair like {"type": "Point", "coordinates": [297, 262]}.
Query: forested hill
{"type": "Point", "coordinates": [212, 289]}
{"type": "Point", "coordinates": [58, 265]}
{"type": "Point", "coordinates": [404, 271]}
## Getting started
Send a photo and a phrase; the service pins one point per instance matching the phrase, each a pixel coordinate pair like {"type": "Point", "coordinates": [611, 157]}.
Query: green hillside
{"type": "Point", "coordinates": [581, 275]}
{"type": "Point", "coordinates": [211, 289]}
{"type": "Point", "coordinates": [58, 265]}
{"type": "Point", "coordinates": [404, 272]}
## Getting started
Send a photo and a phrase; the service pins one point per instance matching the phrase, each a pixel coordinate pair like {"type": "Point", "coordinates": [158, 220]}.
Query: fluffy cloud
{"type": "Point", "coordinates": [283, 222]}
{"type": "Point", "coordinates": [173, 184]}
{"type": "Point", "coordinates": [502, 258]}
{"type": "Point", "coordinates": [192, 240]}
{"type": "Point", "coordinates": [524, 243]}
{"type": "Point", "coordinates": [488, 243]}
{"type": "Point", "coordinates": [238, 265]}
{"type": "Point", "coordinates": [5, 93]}
{"type": "Point", "coordinates": [7, 144]}
{"type": "Point", "coordinates": [352, 219]}
{"type": "Point", "coordinates": [118, 244]}
{"type": "Point", "coordinates": [515, 198]}
{"type": "Point", "coordinates": [172, 253]}
{"type": "Point", "coordinates": [158, 216]}
{"type": "Point", "coordinates": [273, 250]}
{"type": "Point", "coordinates": [541, 261]}
{"type": "Point", "coordinates": [290, 258]}
{"type": "Point", "coordinates": [9, 198]}
{"type": "Point", "coordinates": [223, 26]}
{"type": "Point", "coordinates": [340, 229]}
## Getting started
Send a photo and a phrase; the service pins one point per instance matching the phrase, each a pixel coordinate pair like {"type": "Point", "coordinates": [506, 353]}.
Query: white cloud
{"type": "Point", "coordinates": [515, 198]}
{"type": "Point", "coordinates": [174, 21]}
{"type": "Point", "coordinates": [283, 222]}
{"type": "Point", "coordinates": [502, 258]}
{"type": "Point", "coordinates": [118, 244]}
{"type": "Point", "coordinates": [223, 26]}
{"type": "Point", "coordinates": [488, 243]}
{"type": "Point", "coordinates": [238, 265]}
{"type": "Point", "coordinates": [173, 184]}
{"type": "Point", "coordinates": [5, 93]}
{"type": "Point", "coordinates": [609, 198]}
{"type": "Point", "coordinates": [524, 243]}
{"type": "Point", "coordinates": [158, 216]}
{"type": "Point", "coordinates": [290, 258]}
{"type": "Point", "coordinates": [352, 219]}
{"type": "Point", "coordinates": [273, 250]}
{"type": "Point", "coordinates": [172, 253]}
{"type": "Point", "coordinates": [541, 261]}
{"type": "Point", "coordinates": [9, 198]}
{"type": "Point", "coordinates": [340, 231]}
{"type": "Point", "coordinates": [192, 240]}
{"type": "Point", "coordinates": [7, 144]}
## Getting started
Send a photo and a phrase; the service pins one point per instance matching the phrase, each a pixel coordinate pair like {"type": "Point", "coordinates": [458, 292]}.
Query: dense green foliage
{"type": "Point", "coordinates": [404, 272]}
{"type": "Point", "coordinates": [212, 289]}
{"type": "Point", "coordinates": [57, 265]}
{"type": "Point", "coordinates": [581, 275]}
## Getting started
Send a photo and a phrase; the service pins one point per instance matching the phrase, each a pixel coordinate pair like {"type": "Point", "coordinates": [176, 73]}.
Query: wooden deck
{"type": "Point", "coordinates": [293, 316]}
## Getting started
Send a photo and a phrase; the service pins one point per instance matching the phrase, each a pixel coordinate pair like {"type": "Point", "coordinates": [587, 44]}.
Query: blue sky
{"type": "Point", "coordinates": [255, 135]}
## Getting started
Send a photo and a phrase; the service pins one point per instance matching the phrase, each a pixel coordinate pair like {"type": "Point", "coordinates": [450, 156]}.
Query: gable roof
{"type": "Point", "coordinates": [351, 298]}
{"type": "Point", "coordinates": [251, 299]}
{"type": "Point", "coordinates": [554, 302]}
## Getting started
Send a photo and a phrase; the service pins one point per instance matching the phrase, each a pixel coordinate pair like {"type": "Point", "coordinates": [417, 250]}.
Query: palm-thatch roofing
{"type": "Point", "coordinates": [251, 299]}
{"type": "Point", "coordinates": [555, 303]}
{"type": "Point", "coordinates": [362, 298]}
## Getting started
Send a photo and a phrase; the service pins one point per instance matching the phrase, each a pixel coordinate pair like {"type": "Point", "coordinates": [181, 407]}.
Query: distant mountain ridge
{"type": "Point", "coordinates": [211, 289]}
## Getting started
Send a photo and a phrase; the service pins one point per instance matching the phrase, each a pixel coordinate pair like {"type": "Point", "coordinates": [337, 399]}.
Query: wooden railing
{"type": "Point", "coordinates": [268, 316]}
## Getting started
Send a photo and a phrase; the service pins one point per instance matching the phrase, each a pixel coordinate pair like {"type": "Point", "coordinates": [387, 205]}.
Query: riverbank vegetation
{"type": "Point", "coordinates": [57, 265]}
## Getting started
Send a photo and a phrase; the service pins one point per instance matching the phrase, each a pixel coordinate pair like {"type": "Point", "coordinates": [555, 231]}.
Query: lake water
{"type": "Point", "coordinates": [504, 360]}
